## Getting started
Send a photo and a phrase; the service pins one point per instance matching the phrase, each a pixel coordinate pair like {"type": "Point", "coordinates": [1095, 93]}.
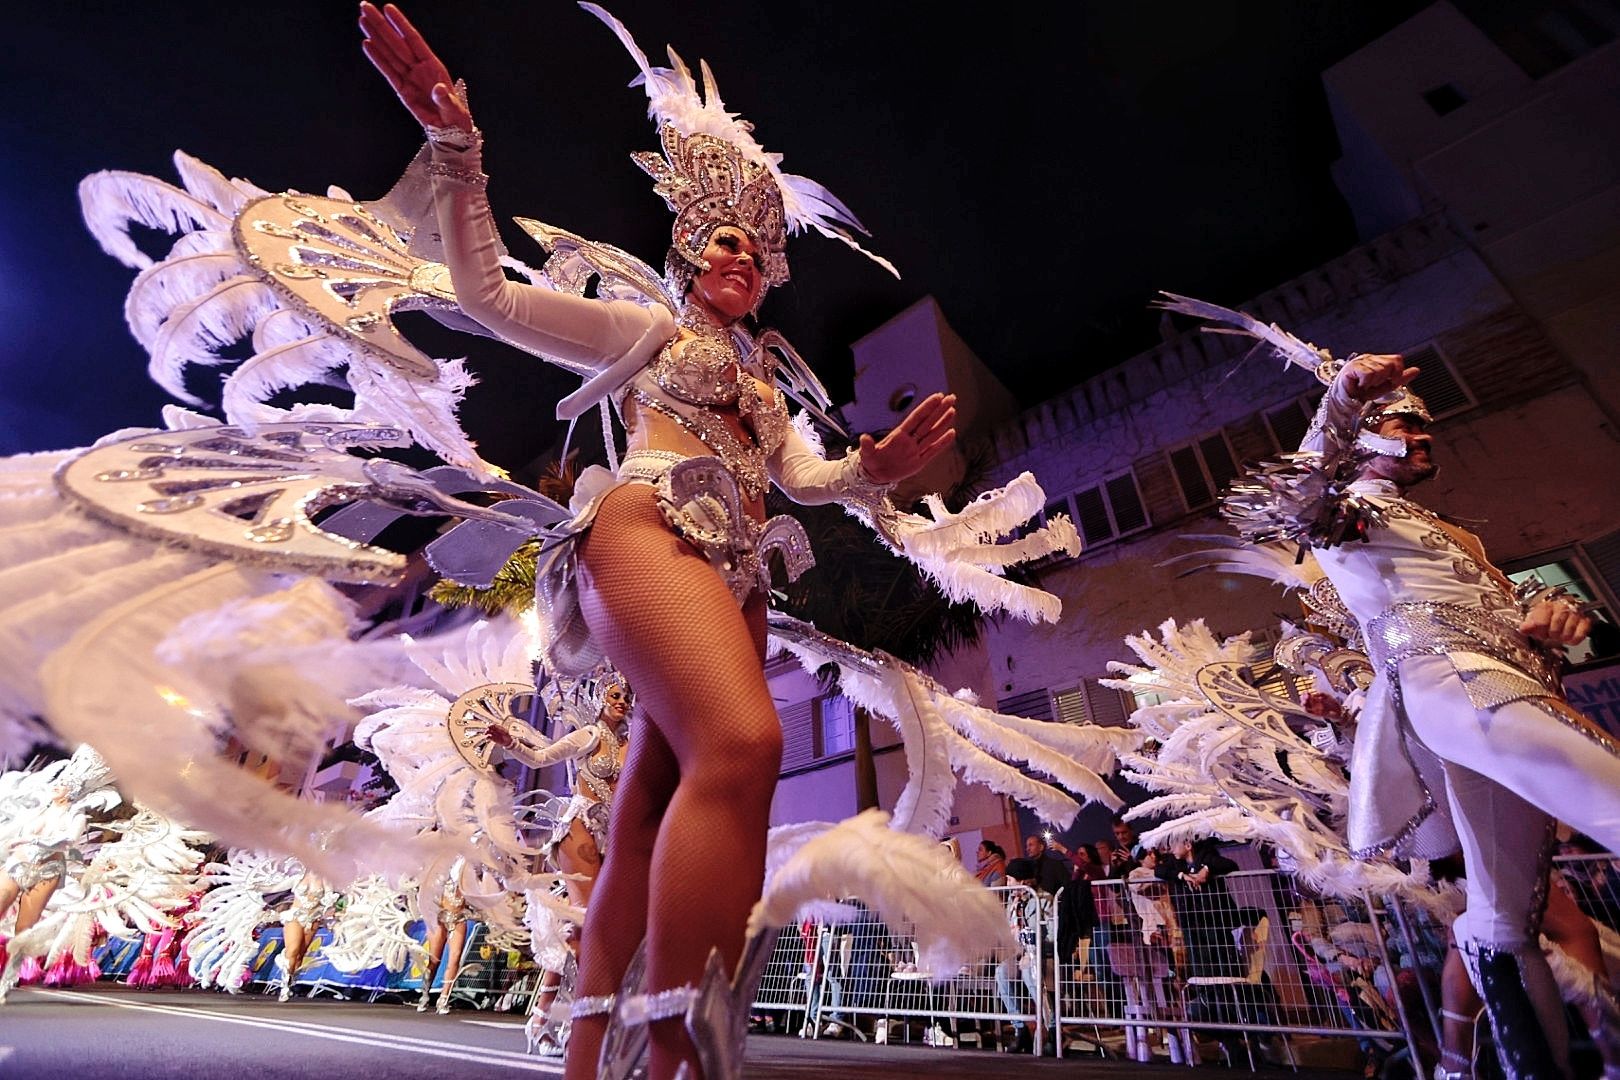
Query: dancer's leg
{"type": "Point", "coordinates": [434, 944]}
{"type": "Point", "coordinates": [671, 625]}
{"type": "Point", "coordinates": [616, 921]}
{"type": "Point", "coordinates": [1569, 928]}
{"type": "Point", "coordinates": [32, 903]}
{"type": "Point", "coordinates": [1555, 763]}
{"type": "Point", "coordinates": [1503, 839]}
{"type": "Point", "coordinates": [9, 891]}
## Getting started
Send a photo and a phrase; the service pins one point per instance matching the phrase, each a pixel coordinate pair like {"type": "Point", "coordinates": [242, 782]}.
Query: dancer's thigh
{"type": "Point", "coordinates": [1503, 839]}
{"type": "Point", "coordinates": [671, 625]}
{"type": "Point", "coordinates": [1541, 759]}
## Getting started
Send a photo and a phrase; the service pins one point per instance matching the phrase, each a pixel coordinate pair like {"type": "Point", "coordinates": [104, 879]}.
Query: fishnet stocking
{"type": "Point", "coordinates": [692, 809]}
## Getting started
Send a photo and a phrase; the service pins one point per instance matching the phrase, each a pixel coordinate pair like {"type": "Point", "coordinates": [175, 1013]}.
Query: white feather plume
{"type": "Point", "coordinates": [909, 880]}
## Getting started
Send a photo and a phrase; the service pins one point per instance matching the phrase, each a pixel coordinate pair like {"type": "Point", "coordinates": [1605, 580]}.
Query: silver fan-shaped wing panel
{"type": "Point", "coordinates": [343, 267]}
{"type": "Point", "coordinates": [476, 711]}
{"type": "Point", "coordinates": [227, 493]}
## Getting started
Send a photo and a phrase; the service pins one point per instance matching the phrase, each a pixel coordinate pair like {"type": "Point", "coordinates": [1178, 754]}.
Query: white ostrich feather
{"type": "Point", "coordinates": [909, 880]}
{"type": "Point", "coordinates": [1278, 563]}
{"type": "Point", "coordinates": [943, 735]}
{"type": "Point", "coordinates": [210, 185]}
{"type": "Point", "coordinates": [221, 943]}
{"type": "Point", "coordinates": [178, 280]}
{"type": "Point", "coordinates": [196, 330]}
{"type": "Point", "coordinates": [111, 201]}
{"type": "Point", "coordinates": [1287, 347]}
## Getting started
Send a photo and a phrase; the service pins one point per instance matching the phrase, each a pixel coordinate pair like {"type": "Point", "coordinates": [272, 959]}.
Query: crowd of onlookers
{"type": "Point", "coordinates": [1136, 935]}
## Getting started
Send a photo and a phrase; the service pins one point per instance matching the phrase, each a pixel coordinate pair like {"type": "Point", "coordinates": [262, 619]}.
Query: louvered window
{"type": "Point", "coordinates": [1437, 383]}
{"type": "Point", "coordinates": [1092, 703]}
{"type": "Point", "coordinates": [1034, 704]}
{"type": "Point", "coordinates": [798, 735]}
{"type": "Point", "coordinates": [1288, 424]}
{"type": "Point", "coordinates": [1126, 503]}
{"type": "Point", "coordinates": [1111, 509]}
{"type": "Point", "coordinates": [1203, 468]}
{"type": "Point", "coordinates": [1091, 516]}
{"type": "Point", "coordinates": [1070, 705]}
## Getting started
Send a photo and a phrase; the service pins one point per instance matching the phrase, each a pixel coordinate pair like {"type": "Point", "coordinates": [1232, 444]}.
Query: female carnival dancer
{"type": "Point", "coordinates": [668, 559]}
{"type": "Point", "coordinates": [312, 904]}
{"type": "Point", "coordinates": [595, 753]}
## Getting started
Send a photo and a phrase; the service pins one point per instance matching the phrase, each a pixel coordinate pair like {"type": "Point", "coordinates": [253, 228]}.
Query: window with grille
{"type": "Point", "coordinates": [1203, 468]}
{"type": "Point", "coordinates": [1437, 383]}
{"type": "Point", "coordinates": [1107, 511]}
{"type": "Point", "coordinates": [1581, 570]}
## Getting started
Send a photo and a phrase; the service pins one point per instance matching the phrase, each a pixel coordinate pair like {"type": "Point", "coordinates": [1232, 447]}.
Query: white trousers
{"type": "Point", "coordinates": [1510, 772]}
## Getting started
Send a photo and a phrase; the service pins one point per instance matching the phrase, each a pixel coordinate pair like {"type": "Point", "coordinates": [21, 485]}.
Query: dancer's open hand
{"type": "Point", "coordinates": [420, 78]}
{"type": "Point", "coordinates": [1556, 623]}
{"type": "Point", "coordinates": [499, 735]}
{"type": "Point", "coordinates": [1370, 376]}
{"type": "Point", "coordinates": [926, 432]}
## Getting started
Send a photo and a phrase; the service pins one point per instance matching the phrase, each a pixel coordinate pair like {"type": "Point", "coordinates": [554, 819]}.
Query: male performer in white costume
{"type": "Point", "coordinates": [1467, 718]}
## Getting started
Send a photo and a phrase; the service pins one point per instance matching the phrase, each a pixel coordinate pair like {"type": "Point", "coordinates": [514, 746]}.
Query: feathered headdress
{"type": "Point", "coordinates": [714, 172]}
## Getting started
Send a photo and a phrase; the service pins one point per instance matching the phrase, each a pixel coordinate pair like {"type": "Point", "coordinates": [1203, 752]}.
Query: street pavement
{"type": "Point", "coordinates": [107, 1031]}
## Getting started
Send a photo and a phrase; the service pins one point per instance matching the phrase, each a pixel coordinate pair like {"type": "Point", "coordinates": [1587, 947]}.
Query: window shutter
{"type": "Point", "coordinates": [1071, 705]}
{"type": "Point", "coordinates": [1190, 475]}
{"type": "Point", "coordinates": [1104, 706]}
{"type": "Point", "coordinates": [1218, 459]}
{"type": "Point", "coordinates": [798, 735]}
{"type": "Point", "coordinates": [1092, 515]}
{"type": "Point", "coordinates": [1129, 513]}
{"type": "Point", "coordinates": [1437, 384]}
{"type": "Point", "coordinates": [1288, 425]}
{"type": "Point", "coordinates": [1034, 704]}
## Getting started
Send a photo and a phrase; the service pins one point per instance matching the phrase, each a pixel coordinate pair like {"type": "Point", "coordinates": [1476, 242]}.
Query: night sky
{"type": "Point", "coordinates": [1042, 172]}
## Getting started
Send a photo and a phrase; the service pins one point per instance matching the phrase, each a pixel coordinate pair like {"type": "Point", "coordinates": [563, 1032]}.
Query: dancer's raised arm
{"type": "Point", "coordinates": [580, 333]}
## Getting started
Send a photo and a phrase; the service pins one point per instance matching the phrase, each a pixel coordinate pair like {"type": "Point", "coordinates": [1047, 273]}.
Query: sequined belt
{"type": "Point", "coordinates": [1427, 628]}
{"type": "Point", "coordinates": [701, 500]}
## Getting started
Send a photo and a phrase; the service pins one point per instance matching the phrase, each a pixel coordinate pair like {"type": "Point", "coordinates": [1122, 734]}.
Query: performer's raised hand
{"type": "Point", "coordinates": [926, 432]}
{"type": "Point", "coordinates": [500, 736]}
{"type": "Point", "coordinates": [423, 83]}
{"type": "Point", "coordinates": [1370, 376]}
{"type": "Point", "coordinates": [1555, 622]}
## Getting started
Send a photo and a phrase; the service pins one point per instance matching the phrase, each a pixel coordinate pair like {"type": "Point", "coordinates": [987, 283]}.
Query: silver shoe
{"type": "Point", "coordinates": [716, 1011]}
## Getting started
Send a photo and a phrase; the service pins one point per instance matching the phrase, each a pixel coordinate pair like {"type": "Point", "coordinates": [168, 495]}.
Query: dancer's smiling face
{"type": "Point", "coordinates": [616, 703]}
{"type": "Point", "coordinates": [731, 286]}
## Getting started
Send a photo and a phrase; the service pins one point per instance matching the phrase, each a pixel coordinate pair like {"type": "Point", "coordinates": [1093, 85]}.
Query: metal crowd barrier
{"type": "Point", "coordinates": [1248, 958]}
{"type": "Point", "coordinates": [1244, 956]}
{"type": "Point", "coordinates": [858, 977]}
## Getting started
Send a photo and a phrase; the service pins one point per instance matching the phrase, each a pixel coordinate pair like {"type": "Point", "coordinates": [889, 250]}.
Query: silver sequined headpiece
{"type": "Point", "coordinates": [597, 690]}
{"type": "Point", "coordinates": [713, 172]}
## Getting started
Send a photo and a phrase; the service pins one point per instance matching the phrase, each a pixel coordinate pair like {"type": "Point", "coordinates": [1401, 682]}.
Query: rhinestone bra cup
{"type": "Point", "coordinates": [706, 373]}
